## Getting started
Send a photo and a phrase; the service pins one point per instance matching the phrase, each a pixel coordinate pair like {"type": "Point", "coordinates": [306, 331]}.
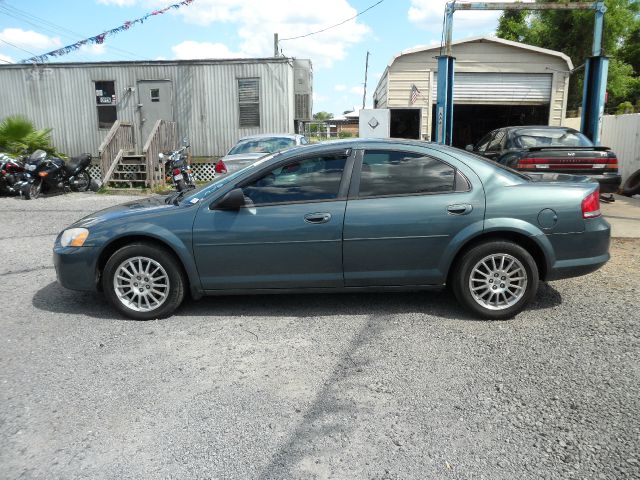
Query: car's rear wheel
{"type": "Point", "coordinates": [143, 281]}
{"type": "Point", "coordinates": [496, 279]}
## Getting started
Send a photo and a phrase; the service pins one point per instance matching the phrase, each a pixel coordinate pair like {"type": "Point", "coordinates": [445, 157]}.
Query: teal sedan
{"type": "Point", "coordinates": [344, 216]}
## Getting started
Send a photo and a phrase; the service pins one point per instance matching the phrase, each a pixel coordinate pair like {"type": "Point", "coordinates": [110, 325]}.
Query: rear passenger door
{"type": "Point", "coordinates": [404, 209]}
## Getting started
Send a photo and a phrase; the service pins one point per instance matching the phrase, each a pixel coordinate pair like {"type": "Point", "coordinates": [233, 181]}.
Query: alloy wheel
{"type": "Point", "coordinates": [141, 284]}
{"type": "Point", "coordinates": [498, 281]}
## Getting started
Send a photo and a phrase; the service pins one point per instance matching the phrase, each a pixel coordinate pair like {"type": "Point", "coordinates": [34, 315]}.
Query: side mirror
{"type": "Point", "coordinates": [469, 148]}
{"type": "Point", "coordinates": [185, 141]}
{"type": "Point", "coordinates": [233, 200]}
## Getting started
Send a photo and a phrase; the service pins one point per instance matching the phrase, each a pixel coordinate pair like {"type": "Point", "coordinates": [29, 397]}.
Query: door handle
{"type": "Point", "coordinates": [461, 209]}
{"type": "Point", "coordinates": [317, 217]}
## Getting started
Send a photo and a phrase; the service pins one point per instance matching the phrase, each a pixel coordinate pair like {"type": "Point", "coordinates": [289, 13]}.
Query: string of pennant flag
{"type": "Point", "coordinates": [99, 39]}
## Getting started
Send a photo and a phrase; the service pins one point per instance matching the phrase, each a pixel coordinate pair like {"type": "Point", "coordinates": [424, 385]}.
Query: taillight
{"type": "Point", "coordinates": [612, 163]}
{"type": "Point", "coordinates": [176, 171]}
{"type": "Point", "coordinates": [220, 167]}
{"type": "Point", "coordinates": [591, 205]}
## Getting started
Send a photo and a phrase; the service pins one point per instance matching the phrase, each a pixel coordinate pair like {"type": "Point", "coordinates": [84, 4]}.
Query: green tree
{"type": "Point", "coordinates": [571, 32]}
{"type": "Point", "coordinates": [322, 116]}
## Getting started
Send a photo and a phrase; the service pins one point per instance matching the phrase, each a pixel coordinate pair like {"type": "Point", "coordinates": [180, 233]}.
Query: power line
{"type": "Point", "coordinates": [51, 27]}
{"type": "Point", "coordinates": [334, 26]}
{"type": "Point", "coordinates": [15, 46]}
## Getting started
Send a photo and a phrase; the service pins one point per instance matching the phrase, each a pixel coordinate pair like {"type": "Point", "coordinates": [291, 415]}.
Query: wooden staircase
{"type": "Point", "coordinates": [130, 172]}
{"type": "Point", "coordinates": [122, 167]}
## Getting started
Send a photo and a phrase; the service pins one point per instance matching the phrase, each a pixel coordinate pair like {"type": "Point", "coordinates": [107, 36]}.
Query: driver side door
{"type": "Point", "coordinates": [287, 235]}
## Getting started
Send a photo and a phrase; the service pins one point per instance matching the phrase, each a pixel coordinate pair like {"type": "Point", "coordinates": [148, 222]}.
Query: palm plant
{"type": "Point", "coordinates": [18, 135]}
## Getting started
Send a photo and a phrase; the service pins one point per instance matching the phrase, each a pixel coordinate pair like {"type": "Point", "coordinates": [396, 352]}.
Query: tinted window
{"type": "Point", "coordinates": [496, 144]}
{"type": "Point", "coordinates": [309, 179]}
{"type": "Point", "coordinates": [403, 173]}
{"type": "Point", "coordinates": [551, 137]}
{"type": "Point", "coordinates": [481, 146]}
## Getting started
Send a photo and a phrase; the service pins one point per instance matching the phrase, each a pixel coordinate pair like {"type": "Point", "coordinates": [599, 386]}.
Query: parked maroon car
{"type": "Point", "coordinates": [544, 149]}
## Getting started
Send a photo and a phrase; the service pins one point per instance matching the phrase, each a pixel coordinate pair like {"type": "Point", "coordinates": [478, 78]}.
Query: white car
{"type": "Point", "coordinates": [250, 149]}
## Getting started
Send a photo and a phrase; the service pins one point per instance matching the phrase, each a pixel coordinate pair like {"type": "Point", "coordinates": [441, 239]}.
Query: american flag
{"type": "Point", "coordinates": [414, 94]}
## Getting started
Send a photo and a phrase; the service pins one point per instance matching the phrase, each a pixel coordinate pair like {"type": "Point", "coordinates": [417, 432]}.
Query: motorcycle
{"type": "Point", "coordinates": [12, 172]}
{"type": "Point", "coordinates": [178, 167]}
{"type": "Point", "coordinates": [45, 174]}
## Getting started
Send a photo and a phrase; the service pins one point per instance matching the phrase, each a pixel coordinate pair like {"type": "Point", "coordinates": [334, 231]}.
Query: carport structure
{"type": "Point", "coordinates": [498, 83]}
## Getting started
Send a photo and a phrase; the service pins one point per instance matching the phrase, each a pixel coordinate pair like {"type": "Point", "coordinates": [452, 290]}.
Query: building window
{"type": "Point", "coordinates": [249, 101]}
{"type": "Point", "coordinates": [155, 94]}
{"type": "Point", "coordinates": [106, 103]}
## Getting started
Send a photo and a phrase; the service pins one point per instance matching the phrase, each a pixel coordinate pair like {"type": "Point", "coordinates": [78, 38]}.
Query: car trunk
{"type": "Point", "coordinates": [571, 160]}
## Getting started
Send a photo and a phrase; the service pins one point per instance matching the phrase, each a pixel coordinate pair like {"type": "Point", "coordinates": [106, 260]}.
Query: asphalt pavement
{"type": "Point", "coordinates": [348, 386]}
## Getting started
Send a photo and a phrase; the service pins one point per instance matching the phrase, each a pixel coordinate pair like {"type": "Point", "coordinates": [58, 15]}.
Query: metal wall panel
{"type": "Point", "coordinates": [62, 96]}
{"type": "Point", "coordinates": [622, 134]}
{"type": "Point", "coordinates": [501, 88]}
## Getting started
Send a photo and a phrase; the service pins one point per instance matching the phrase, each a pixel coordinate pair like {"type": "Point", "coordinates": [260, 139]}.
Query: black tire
{"type": "Point", "coordinates": [83, 182]}
{"type": "Point", "coordinates": [165, 258]}
{"type": "Point", "coordinates": [32, 190]}
{"type": "Point", "coordinates": [464, 267]}
{"type": "Point", "coordinates": [632, 185]}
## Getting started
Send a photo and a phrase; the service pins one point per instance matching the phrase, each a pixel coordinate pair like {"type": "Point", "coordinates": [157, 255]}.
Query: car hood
{"type": "Point", "coordinates": [146, 205]}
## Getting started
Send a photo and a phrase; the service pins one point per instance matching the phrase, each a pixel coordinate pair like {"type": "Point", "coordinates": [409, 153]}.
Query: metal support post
{"type": "Point", "coordinates": [595, 81]}
{"type": "Point", "coordinates": [444, 105]}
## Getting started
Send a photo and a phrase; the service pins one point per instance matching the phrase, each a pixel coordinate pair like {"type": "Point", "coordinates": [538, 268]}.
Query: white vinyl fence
{"type": "Point", "coordinates": [622, 134]}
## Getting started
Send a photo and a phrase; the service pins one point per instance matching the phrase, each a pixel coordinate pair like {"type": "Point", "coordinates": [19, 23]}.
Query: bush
{"type": "Point", "coordinates": [624, 107]}
{"type": "Point", "coordinates": [344, 134]}
{"type": "Point", "coordinates": [19, 136]}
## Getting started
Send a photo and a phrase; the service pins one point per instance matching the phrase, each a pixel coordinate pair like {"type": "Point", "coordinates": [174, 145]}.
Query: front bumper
{"type": "Point", "coordinates": [76, 267]}
{"type": "Point", "coordinates": [581, 253]}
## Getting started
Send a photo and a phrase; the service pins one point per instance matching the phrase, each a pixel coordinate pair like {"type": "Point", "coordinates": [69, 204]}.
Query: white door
{"type": "Point", "coordinates": [155, 102]}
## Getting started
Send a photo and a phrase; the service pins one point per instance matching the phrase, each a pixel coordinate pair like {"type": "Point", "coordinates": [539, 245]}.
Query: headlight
{"type": "Point", "coordinates": [161, 156]}
{"type": "Point", "coordinates": [74, 237]}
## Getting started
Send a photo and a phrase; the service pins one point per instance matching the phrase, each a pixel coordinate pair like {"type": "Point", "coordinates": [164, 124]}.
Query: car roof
{"type": "Point", "coordinates": [292, 136]}
{"type": "Point", "coordinates": [537, 127]}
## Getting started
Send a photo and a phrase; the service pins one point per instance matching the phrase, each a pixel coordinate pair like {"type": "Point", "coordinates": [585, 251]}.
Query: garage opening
{"type": "Point", "coordinates": [472, 122]}
{"type": "Point", "coordinates": [404, 123]}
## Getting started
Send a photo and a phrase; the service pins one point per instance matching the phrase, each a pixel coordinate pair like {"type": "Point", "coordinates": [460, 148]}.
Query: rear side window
{"type": "Point", "coordinates": [387, 172]}
{"type": "Point", "coordinates": [304, 180]}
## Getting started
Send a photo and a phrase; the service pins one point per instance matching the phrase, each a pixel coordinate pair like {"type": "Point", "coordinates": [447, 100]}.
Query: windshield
{"type": "Point", "coordinates": [548, 137]}
{"type": "Point", "coordinates": [262, 145]}
{"type": "Point", "coordinates": [495, 164]}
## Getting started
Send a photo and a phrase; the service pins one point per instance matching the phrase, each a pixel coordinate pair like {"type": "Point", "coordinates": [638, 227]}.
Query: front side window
{"type": "Point", "coordinates": [249, 101]}
{"type": "Point", "coordinates": [305, 180]}
{"type": "Point", "coordinates": [387, 172]}
{"type": "Point", "coordinates": [481, 146]}
{"type": "Point", "coordinates": [106, 103]}
{"type": "Point", "coordinates": [496, 144]}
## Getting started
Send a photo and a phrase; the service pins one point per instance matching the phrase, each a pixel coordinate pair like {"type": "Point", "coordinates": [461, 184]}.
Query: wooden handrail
{"type": "Point", "coordinates": [113, 166]}
{"type": "Point", "coordinates": [118, 140]}
{"type": "Point", "coordinates": [163, 137]}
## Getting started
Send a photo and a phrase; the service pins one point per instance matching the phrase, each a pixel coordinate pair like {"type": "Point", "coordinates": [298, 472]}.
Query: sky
{"type": "Point", "coordinates": [242, 28]}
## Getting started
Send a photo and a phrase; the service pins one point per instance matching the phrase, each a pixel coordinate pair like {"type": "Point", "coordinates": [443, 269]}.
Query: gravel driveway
{"type": "Point", "coordinates": [371, 386]}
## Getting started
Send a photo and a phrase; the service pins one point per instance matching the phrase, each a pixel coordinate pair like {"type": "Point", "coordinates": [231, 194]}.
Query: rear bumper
{"type": "Point", "coordinates": [578, 254]}
{"type": "Point", "coordinates": [76, 267]}
{"type": "Point", "coordinates": [608, 183]}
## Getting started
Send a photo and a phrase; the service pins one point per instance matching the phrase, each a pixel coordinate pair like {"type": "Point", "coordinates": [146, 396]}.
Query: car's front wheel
{"type": "Point", "coordinates": [143, 281]}
{"type": "Point", "coordinates": [495, 279]}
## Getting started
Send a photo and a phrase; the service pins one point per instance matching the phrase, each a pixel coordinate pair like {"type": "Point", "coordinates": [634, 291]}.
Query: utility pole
{"type": "Point", "coordinates": [366, 69]}
{"type": "Point", "coordinates": [276, 46]}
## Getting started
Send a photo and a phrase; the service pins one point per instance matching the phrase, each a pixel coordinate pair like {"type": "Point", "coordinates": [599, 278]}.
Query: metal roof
{"type": "Point", "coordinates": [126, 63]}
{"type": "Point", "coordinates": [502, 41]}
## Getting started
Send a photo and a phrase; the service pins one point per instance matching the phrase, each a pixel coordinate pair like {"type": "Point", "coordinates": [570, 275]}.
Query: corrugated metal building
{"type": "Point", "coordinates": [213, 102]}
{"type": "Point", "coordinates": [497, 83]}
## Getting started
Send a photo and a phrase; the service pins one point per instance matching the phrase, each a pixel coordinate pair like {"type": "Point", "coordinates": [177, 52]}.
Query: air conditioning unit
{"type": "Point", "coordinates": [303, 89]}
